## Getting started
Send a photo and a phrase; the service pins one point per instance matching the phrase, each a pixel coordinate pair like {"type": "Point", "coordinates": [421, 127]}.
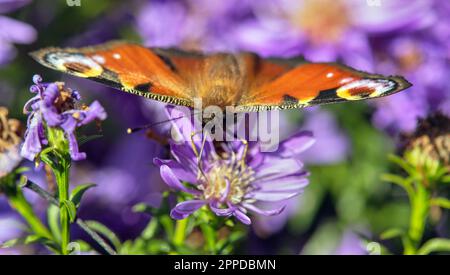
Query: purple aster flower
{"type": "Point", "coordinates": [13, 31]}
{"type": "Point", "coordinates": [54, 105]}
{"type": "Point", "coordinates": [327, 30]}
{"type": "Point", "coordinates": [425, 62]}
{"type": "Point", "coordinates": [194, 24]}
{"type": "Point", "coordinates": [234, 178]}
{"type": "Point", "coordinates": [10, 139]}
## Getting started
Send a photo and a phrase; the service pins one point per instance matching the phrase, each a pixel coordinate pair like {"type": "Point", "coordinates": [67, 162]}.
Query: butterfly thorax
{"type": "Point", "coordinates": [221, 96]}
{"type": "Point", "coordinates": [222, 82]}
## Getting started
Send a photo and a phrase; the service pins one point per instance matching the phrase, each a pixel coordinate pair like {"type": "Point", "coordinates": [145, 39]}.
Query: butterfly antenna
{"type": "Point", "coordinates": [137, 129]}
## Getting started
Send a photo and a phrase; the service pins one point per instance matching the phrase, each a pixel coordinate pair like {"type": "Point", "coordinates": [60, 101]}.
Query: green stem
{"type": "Point", "coordinates": [62, 179]}
{"type": "Point", "coordinates": [420, 205]}
{"type": "Point", "coordinates": [180, 232]}
{"type": "Point", "coordinates": [60, 164]}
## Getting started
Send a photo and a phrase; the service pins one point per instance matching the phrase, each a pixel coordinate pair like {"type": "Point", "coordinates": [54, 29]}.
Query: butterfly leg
{"type": "Point", "coordinates": [244, 154]}
{"type": "Point", "coordinates": [199, 154]}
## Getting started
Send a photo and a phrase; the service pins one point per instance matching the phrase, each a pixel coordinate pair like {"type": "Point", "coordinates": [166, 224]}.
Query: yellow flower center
{"type": "Point", "coordinates": [411, 58]}
{"type": "Point", "coordinates": [228, 173]}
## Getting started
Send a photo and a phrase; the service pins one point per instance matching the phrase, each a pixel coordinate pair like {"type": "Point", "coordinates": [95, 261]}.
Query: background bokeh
{"type": "Point", "coordinates": [346, 200]}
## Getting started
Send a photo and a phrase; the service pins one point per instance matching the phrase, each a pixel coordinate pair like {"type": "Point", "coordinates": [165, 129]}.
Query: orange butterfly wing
{"type": "Point", "coordinates": [177, 77]}
{"type": "Point", "coordinates": [129, 67]}
{"type": "Point", "coordinates": [319, 83]}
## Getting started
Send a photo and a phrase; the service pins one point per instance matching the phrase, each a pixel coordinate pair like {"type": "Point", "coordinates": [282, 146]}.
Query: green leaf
{"type": "Point", "coordinates": [151, 229]}
{"type": "Point", "coordinates": [392, 233]}
{"type": "Point", "coordinates": [78, 192]}
{"type": "Point", "coordinates": [20, 241]}
{"type": "Point", "coordinates": [84, 246]}
{"type": "Point", "coordinates": [28, 240]}
{"type": "Point", "coordinates": [105, 231]}
{"type": "Point", "coordinates": [441, 202]}
{"type": "Point", "coordinates": [403, 164]}
{"type": "Point", "coordinates": [400, 181]}
{"type": "Point", "coordinates": [71, 209]}
{"type": "Point", "coordinates": [435, 245]}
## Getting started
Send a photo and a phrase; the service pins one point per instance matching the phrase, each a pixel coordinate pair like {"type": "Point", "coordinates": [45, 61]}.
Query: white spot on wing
{"type": "Point", "coordinates": [59, 59]}
{"type": "Point", "coordinates": [379, 87]}
{"type": "Point", "coordinates": [330, 75]}
{"type": "Point", "coordinates": [98, 58]}
{"type": "Point", "coordinates": [116, 56]}
{"type": "Point", "coordinates": [346, 80]}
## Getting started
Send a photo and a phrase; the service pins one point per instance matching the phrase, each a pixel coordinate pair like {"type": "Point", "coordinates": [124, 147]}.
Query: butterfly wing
{"type": "Point", "coordinates": [126, 66]}
{"type": "Point", "coordinates": [177, 77]}
{"type": "Point", "coordinates": [319, 83]}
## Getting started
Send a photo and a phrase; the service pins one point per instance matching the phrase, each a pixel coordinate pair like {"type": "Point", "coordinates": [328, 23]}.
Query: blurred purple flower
{"type": "Point", "coordinates": [11, 228]}
{"type": "Point", "coordinates": [350, 244]}
{"type": "Point", "coordinates": [13, 31]}
{"type": "Point", "coordinates": [54, 106]}
{"type": "Point", "coordinates": [424, 61]}
{"type": "Point", "coordinates": [234, 180]}
{"type": "Point", "coordinates": [331, 146]}
{"type": "Point", "coordinates": [123, 178]}
{"type": "Point", "coordinates": [342, 31]}
{"type": "Point", "coordinates": [194, 24]}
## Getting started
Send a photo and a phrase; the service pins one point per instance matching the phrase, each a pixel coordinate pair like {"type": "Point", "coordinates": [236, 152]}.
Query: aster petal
{"type": "Point", "coordinates": [277, 167]}
{"type": "Point", "coordinates": [69, 124]}
{"type": "Point", "coordinates": [178, 169]}
{"type": "Point", "coordinates": [255, 159]}
{"type": "Point", "coordinates": [14, 31]}
{"type": "Point", "coordinates": [73, 147]}
{"type": "Point", "coordinates": [50, 94]}
{"type": "Point", "coordinates": [183, 153]}
{"type": "Point", "coordinates": [95, 111]}
{"type": "Point", "coordinates": [284, 184]}
{"type": "Point", "coordinates": [32, 144]}
{"type": "Point", "coordinates": [180, 119]}
{"type": "Point", "coordinates": [29, 103]}
{"type": "Point", "coordinates": [242, 217]}
{"type": "Point", "coordinates": [214, 205]}
{"type": "Point", "coordinates": [272, 212]}
{"type": "Point", "coordinates": [186, 208]}
{"type": "Point", "coordinates": [172, 181]}
{"type": "Point", "coordinates": [49, 112]}
{"type": "Point", "coordinates": [272, 196]}
{"type": "Point", "coordinates": [296, 144]}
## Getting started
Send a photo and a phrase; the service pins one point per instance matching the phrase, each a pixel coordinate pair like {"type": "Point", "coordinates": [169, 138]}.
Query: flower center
{"type": "Point", "coordinates": [10, 131]}
{"type": "Point", "coordinates": [322, 20]}
{"type": "Point", "coordinates": [228, 181]}
{"type": "Point", "coordinates": [65, 100]}
{"type": "Point", "coordinates": [410, 58]}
